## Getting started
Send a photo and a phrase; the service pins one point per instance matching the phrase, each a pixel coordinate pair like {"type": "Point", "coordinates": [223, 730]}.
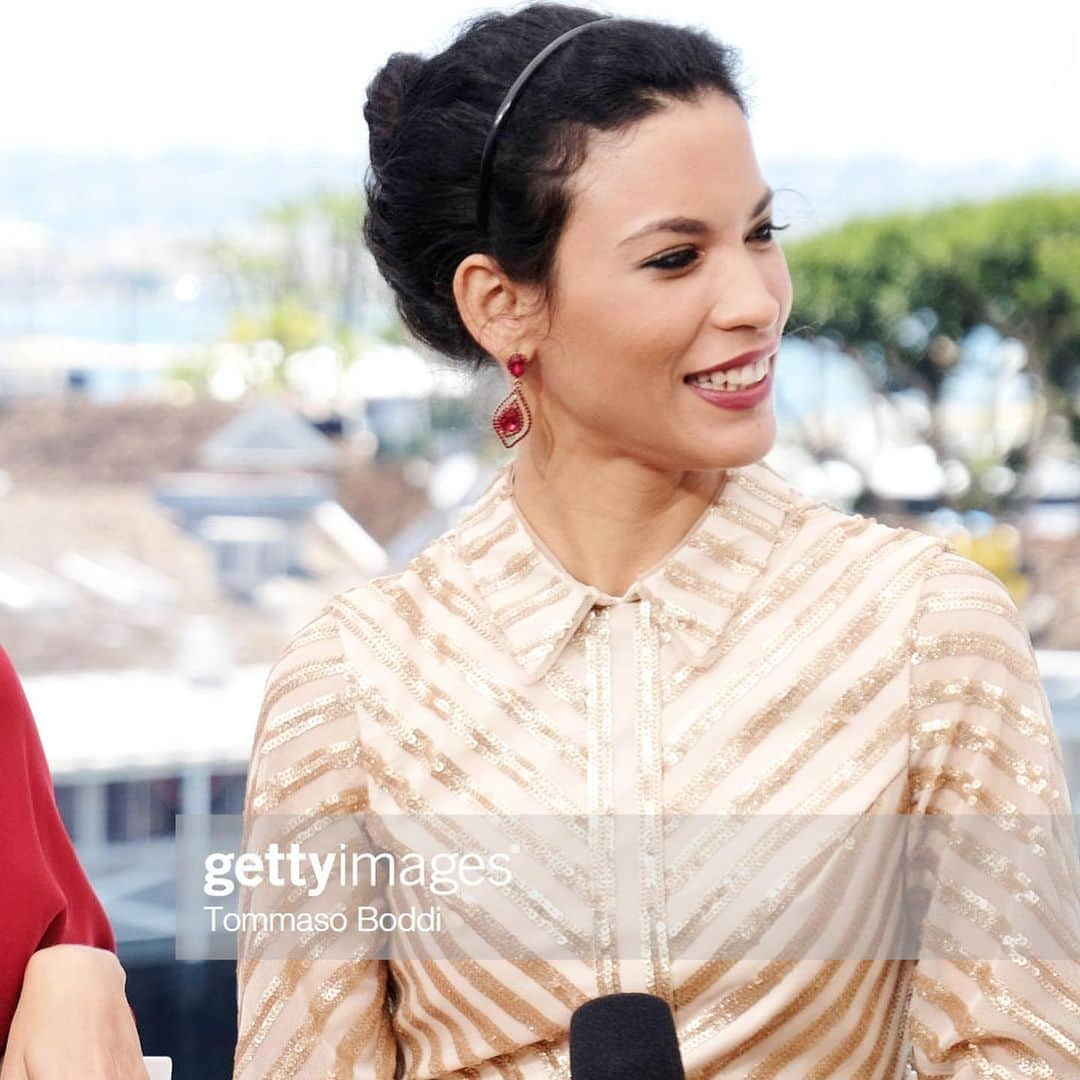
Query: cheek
{"type": "Point", "coordinates": [779, 282]}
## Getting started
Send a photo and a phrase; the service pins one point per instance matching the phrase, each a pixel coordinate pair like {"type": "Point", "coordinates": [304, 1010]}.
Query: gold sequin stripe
{"type": "Point", "coordinates": [873, 751]}
{"type": "Point", "coordinates": [969, 789]}
{"type": "Point", "coordinates": [963, 901]}
{"type": "Point", "coordinates": [472, 551]}
{"type": "Point", "coordinates": [681, 575]}
{"type": "Point", "coordinates": [828, 659]}
{"type": "Point", "coordinates": [752, 610]}
{"type": "Point", "coordinates": [738, 514]}
{"type": "Point", "coordinates": [557, 1061]}
{"type": "Point", "coordinates": [495, 935]}
{"type": "Point", "coordinates": [755, 863]}
{"type": "Point", "coordinates": [321, 628]}
{"type": "Point", "coordinates": [889, 1043]}
{"type": "Point", "coordinates": [493, 1036]}
{"type": "Point", "coordinates": [821, 1027]}
{"type": "Point", "coordinates": [335, 709]}
{"type": "Point", "coordinates": [1009, 877]}
{"type": "Point", "coordinates": [654, 945]}
{"type": "Point", "coordinates": [517, 707]}
{"type": "Point", "coordinates": [977, 646]}
{"type": "Point", "coordinates": [480, 517]}
{"type": "Point", "coordinates": [282, 683]}
{"type": "Point", "coordinates": [433, 698]}
{"type": "Point", "coordinates": [829, 905]}
{"type": "Point", "coordinates": [1003, 998]}
{"type": "Point", "coordinates": [601, 806]}
{"type": "Point", "coordinates": [754, 606]}
{"type": "Point", "coordinates": [251, 945]}
{"type": "Point", "coordinates": [778, 500]}
{"type": "Point", "coordinates": [538, 600]}
{"type": "Point", "coordinates": [950, 600]}
{"type": "Point", "coordinates": [356, 1042]}
{"type": "Point", "coordinates": [486, 985]}
{"type": "Point", "coordinates": [425, 1016]}
{"type": "Point", "coordinates": [458, 780]}
{"type": "Point", "coordinates": [726, 555]}
{"type": "Point", "coordinates": [290, 724]}
{"type": "Point", "coordinates": [965, 1050]}
{"type": "Point", "coordinates": [406, 1031]}
{"type": "Point", "coordinates": [760, 790]}
{"type": "Point", "coordinates": [1031, 776]}
{"type": "Point", "coordinates": [1028, 723]}
{"type": "Point", "coordinates": [544, 912]}
{"type": "Point", "coordinates": [309, 950]}
{"type": "Point", "coordinates": [343, 982]}
{"type": "Point", "coordinates": [739, 877]}
{"type": "Point", "coordinates": [457, 601]}
{"type": "Point", "coordinates": [517, 568]}
{"type": "Point", "coordinates": [952, 562]}
{"type": "Point", "coordinates": [276, 993]}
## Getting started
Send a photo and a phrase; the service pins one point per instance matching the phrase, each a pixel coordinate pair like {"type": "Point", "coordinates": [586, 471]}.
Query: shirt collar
{"type": "Point", "coordinates": [538, 605]}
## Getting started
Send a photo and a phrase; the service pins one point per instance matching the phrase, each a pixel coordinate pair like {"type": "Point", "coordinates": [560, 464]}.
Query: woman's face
{"type": "Point", "coordinates": [638, 310]}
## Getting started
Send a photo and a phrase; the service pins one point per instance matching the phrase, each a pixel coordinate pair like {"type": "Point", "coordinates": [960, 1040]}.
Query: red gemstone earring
{"type": "Point", "coordinates": [511, 420]}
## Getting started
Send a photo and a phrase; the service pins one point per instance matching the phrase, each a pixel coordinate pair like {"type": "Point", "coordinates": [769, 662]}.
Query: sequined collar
{"type": "Point", "coordinates": [537, 604]}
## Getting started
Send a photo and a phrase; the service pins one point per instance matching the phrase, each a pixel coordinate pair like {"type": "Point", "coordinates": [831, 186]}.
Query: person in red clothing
{"type": "Point", "coordinates": [62, 1001]}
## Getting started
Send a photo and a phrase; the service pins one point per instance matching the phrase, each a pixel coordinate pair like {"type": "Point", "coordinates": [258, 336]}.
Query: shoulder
{"type": "Point", "coordinates": [820, 530]}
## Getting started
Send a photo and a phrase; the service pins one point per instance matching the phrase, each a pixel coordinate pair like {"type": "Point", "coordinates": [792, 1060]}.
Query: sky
{"type": "Point", "coordinates": [936, 82]}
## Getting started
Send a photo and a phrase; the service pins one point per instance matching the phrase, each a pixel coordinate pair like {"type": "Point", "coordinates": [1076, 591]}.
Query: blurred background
{"type": "Point", "coordinates": [211, 418]}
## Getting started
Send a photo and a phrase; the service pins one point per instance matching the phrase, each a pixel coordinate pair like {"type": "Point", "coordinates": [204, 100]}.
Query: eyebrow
{"type": "Point", "coordinates": [690, 226]}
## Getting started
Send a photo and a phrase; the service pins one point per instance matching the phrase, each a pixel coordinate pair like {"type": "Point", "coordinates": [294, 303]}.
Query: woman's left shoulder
{"type": "Point", "coordinates": [815, 526]}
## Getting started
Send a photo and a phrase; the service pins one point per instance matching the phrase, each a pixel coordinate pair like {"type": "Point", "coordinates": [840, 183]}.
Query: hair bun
{"type": "Point", "coordinates": [384, 109]}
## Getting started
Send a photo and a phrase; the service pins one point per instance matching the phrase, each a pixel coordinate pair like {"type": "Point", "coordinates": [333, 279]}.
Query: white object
{"type": "Point", "coordinates": [159, 1068]}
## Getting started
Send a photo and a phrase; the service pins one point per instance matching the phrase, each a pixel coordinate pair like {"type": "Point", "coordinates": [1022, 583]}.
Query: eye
{"type": "Point", "coordinates": [672, 261]}
{"type": "Point", "coordinates": [679, 260]}
{"type": "Point", "coordinates": [768, 228]}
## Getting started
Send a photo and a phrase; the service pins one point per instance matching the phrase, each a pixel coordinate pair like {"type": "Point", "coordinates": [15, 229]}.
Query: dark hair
{"type": "Point", "coordinates": [428, 119]}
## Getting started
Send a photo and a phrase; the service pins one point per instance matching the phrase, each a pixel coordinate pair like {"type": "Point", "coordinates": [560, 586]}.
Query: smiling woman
{"type": "Point", "coordinates": [645, 660]}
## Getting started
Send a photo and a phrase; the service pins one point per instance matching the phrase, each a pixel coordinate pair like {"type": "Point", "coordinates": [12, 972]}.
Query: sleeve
{"type": "Point", "coordinates": [993, 852]}
{"type": "Point", "coordinates": [46, 898]}
{"type": "Point", "coordinates": [310, 1003]}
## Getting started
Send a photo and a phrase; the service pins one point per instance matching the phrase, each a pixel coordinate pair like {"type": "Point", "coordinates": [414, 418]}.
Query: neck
{"type": "Point", "coordinates": [608, 522]}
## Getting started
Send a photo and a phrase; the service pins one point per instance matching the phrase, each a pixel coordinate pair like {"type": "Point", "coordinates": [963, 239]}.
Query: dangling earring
{"type": "Point", "coordinates": [511, 420]}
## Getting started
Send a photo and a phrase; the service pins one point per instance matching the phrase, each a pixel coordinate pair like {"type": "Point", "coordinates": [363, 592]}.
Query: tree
{"type": "Point", "coordinates": [898, 292]}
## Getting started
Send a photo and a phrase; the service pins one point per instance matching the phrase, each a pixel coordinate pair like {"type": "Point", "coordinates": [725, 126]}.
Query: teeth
{"type": "Point", "coordinates": [734, 378]}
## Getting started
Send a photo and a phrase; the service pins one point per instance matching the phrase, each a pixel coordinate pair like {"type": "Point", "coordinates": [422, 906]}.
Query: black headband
{"type": "Point", "coordinates": [504, 108]}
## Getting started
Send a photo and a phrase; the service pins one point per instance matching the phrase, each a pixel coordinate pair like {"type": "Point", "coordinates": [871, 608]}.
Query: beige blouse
{"type": "Point", "coordinates": [787, 672]}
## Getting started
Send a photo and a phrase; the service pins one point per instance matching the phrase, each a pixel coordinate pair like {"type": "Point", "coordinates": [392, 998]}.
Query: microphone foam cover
{"type": "Point", "coordinates": [624, 1037]}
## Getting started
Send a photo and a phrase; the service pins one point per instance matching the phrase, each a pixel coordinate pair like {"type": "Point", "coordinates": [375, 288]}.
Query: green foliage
{"type": "Point", "coordinates": [1013, 263]}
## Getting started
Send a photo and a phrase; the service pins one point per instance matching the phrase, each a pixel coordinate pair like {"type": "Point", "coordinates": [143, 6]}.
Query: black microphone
{"type": "Point", "coordinates": [624, 1037]}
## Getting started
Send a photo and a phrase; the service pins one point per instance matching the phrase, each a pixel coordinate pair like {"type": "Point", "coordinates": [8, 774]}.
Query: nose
{"type": "Point", "coordinates": [747, 294]}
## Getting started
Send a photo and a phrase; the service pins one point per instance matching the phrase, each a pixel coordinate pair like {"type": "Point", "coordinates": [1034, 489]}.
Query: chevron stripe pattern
{"type": "Point", "coordinates": [668, 763]}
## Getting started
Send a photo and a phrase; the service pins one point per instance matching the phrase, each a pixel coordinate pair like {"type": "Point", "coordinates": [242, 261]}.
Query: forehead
{"type": "Point", "coordinates": [688, 157]}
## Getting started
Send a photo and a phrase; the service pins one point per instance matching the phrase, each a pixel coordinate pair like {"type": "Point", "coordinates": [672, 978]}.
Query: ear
{"type": "Point", "coordinates": [497, 312]}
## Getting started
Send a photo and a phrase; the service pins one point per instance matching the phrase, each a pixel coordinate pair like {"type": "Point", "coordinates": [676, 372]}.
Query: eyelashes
{"type": "Point", "coordinates": [679, 260]}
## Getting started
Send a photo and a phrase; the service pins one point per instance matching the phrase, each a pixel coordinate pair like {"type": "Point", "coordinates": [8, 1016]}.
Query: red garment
{"type": "Point", "coordinates": [45, 897]}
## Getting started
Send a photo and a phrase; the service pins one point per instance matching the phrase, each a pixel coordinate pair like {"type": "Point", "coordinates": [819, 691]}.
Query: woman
{"type": "Point", "coordinates": [62, 1003]}
{"type": "Point", "coordinates": [639, 625]}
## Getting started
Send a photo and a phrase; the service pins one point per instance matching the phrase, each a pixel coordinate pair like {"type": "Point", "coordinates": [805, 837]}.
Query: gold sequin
{"type": "Point", "coordinates": [786, 667]}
